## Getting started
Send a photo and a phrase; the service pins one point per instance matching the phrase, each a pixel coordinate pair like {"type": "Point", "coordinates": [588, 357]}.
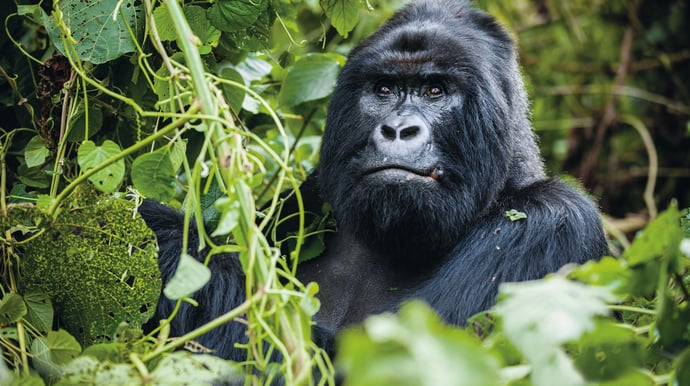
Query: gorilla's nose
{"type": "Point", "coordinates": [401, 135]}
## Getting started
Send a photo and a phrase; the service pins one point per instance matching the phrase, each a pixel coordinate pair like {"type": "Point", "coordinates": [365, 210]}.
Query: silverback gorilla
{"type": "Point", "coordinates": [428, 143]}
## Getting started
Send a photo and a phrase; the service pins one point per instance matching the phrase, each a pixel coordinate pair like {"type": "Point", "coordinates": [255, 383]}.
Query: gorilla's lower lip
{"type": "Point", "coordinates": [403, 173]}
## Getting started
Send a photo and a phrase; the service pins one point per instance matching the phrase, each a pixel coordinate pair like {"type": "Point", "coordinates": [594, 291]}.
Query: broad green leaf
{"type": "Point", "coordinates": [32, 177]}
{"type": "Point", "coordinates": [153, 175]}
{"type": "Point", "coordinates": [114, 352]}
{"type": "Point", "coordinates": [86, 370]}
{"type": "Point", "coordinates": [413, 348]}
{"type": "Point", "coordinates": [235, 15]}
{"type": "Point", "coordinates": [42, 361]}
{"type": "Point", "coordinates": [89, 156]}
{"type": "Point", "coordinates": [77, 130]}
{"type": "Point", "coordinates": [178, 153]}
{"type": "Point", "coordinates": [12, 308]}
{"type": "Point", "coordinates": [255, 37]}
{"type": "Point", "coordinates": [164, 24]}
{"type": "Point", "coordinates": [190, 276]}
{"type": "Point", "coordinates": [312, 77]}
{"type": "Point", "coordinates": [107, 271]}
{"type": "Point", "coordinates": [183, 368]}
{"type": "Point", "coordinates": [197, 18]}
{"type": "Point", "coordinates": [672, 322]}
{"type": "Point", "coordinates": [229, 218]}
{"type": "Point", "coordinates": [539, 316]}
{"type": "Point", "coordinates": [40, 310]}
{"type": "Point", "coordinates": [608, 352]}
{"type": "Point", "coordinates": [101, 30]}
{"type": "Point", "coordinates": [36, 152]}
{"type": "Point", "coordinates": [659, 239]}
{"type": "Point", "coordinates": [63, 347]}
{"type": "Point", "coordinates": [344, 15]}
{"type": "Point", "coordinates": [18, 194]}
{"type": "Point", "coordinates": [233, 95]}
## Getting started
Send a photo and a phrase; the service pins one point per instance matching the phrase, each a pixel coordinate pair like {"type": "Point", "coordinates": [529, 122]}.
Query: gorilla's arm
{"type": "Point", "coordinates": [562, 226]}
{"type": "Point", "coordinates": [222, 293]}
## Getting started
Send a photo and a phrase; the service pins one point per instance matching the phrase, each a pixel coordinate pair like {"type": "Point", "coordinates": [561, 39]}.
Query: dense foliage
{"type": "Point", "coordinates": [217, 107]}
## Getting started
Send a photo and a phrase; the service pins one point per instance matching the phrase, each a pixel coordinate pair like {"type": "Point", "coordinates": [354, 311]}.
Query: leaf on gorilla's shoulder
{"type": "Point", "coordinates": [515, 215]}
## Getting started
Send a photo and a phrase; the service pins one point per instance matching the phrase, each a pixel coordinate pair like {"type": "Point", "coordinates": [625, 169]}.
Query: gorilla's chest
{"type": "Point", "coordinates": [353, 281]}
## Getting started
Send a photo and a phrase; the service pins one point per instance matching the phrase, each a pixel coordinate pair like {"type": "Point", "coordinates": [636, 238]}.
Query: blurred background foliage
{"type": "Point", "coordinates": [610, 87]}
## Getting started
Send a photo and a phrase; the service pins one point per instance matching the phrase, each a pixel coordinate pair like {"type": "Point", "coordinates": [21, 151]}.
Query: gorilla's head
{"type": "Point", "coordinates": [428, 123]}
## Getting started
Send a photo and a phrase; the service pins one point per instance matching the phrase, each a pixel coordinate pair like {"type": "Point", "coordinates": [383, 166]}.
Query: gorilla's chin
{"type": "Point", "coordinates": [389, 210]}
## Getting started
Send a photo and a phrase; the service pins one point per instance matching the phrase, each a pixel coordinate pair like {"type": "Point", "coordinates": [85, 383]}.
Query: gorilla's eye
{"type": "Point", "coordinates": [383, 90]}
{"type": "Point", "coordinates": [433, 92]}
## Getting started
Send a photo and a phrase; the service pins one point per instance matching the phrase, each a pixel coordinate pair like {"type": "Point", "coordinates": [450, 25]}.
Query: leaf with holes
{"type": "Point", "coordinates": [100, 29]}
{"type": "Point", "coordinates": [235, 15]}
{"type": "Point", "coordinates": [90, 156]}
{"type": "Point", "coordinates": [97, 262]}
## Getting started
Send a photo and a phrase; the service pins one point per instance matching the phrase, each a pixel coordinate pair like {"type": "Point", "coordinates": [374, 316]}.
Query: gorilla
{"type": "Point", "coordinates": [428, 147]}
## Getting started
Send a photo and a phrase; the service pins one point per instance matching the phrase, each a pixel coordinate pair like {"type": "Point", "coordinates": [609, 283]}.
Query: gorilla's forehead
{"type": "Point", "coordinates": [425, 48]}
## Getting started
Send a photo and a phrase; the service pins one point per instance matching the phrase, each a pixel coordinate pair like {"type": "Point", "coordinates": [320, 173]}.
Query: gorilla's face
{"type": "Point", "coordinates": [418, 138]}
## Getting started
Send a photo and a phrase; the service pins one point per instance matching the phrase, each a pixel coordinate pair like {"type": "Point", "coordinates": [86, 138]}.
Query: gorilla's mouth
{"type": "Point", "coordinates": [403, 173]}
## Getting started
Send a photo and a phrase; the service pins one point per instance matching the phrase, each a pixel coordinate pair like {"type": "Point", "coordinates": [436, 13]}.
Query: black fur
{"type": "Point", "coordinates": [428, 143]}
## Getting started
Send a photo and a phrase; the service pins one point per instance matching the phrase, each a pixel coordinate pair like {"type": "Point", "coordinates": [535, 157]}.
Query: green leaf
{"type": "Point", "coordinates": [183, 368]}
{"type": "Point", "coordinates": [255, 37]}
{"type": "Point", "coordinates": [77, 130]}
{"type": "Point", "coordinates": [36, 152]}
{"type": "Point", "coordinates": [89, 156]}
{"type": "Point", "coordinates": [178, 153]}
{"type": "Point", "coordinates": [608, 352]}
{"type": "Point", "coordinates": [515, 215]}
{"type": "Point", "coordinates": [659, 239]}
{"type": "Point", "coordinates": [86, 370]}
{"type": "Point", "coordinates": [98, 38]}
{"type": "Point", "coordinates": [97, 262]}
{"type": "Point", "coordinates": [63, 347]}
{"type": "Point", "coordinates": [42, 361]}
{"type": "Point", "coordinates": [312, 77]}
{"type": "Point", "coordinates": [539, 316]}
{"type": "Point", "coordinates": [12, 308]}
{"type": "Point", "coordinates": [40, 310]}
{"type": "Point", "coordinates": [153, 175]}
{"type": "Point", "coordinates": [197, 18]}
{"type": "Point", "coordinates": [190, 276]}
{"type": "Point", "coordinates": [233, 95]}
{"type": "Point", "coordinates": [344, 15]}
{"type": "Point", "coordinates": [33, 177]}
{"type": "Point", "coordinates": [229, 218]}
{"type": "Point", "coordinates": [164, 24]}
{"type": "Point", "coordinates": [672, 323]}
{"type": "Point", "coordinates": [414, 348]}
{"type": "Point", "coordinates": [235, 15]}
{"type": "Point", "coordinates": [114, 352]}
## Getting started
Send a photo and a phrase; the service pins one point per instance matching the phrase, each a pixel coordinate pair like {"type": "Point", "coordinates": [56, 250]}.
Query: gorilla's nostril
{"type": "Point", "coordinates": [388, 132]}
{"type": "Point", "coordinates": [409, 132]}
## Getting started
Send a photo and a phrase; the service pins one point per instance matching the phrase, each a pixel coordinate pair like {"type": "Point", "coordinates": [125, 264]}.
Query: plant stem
{"type": "Point", "coordinates": [130, 150]}
{"type": "Point", "coordinates": [219, 321]}
{"type": "Point", "coordinates": [188, 41]}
